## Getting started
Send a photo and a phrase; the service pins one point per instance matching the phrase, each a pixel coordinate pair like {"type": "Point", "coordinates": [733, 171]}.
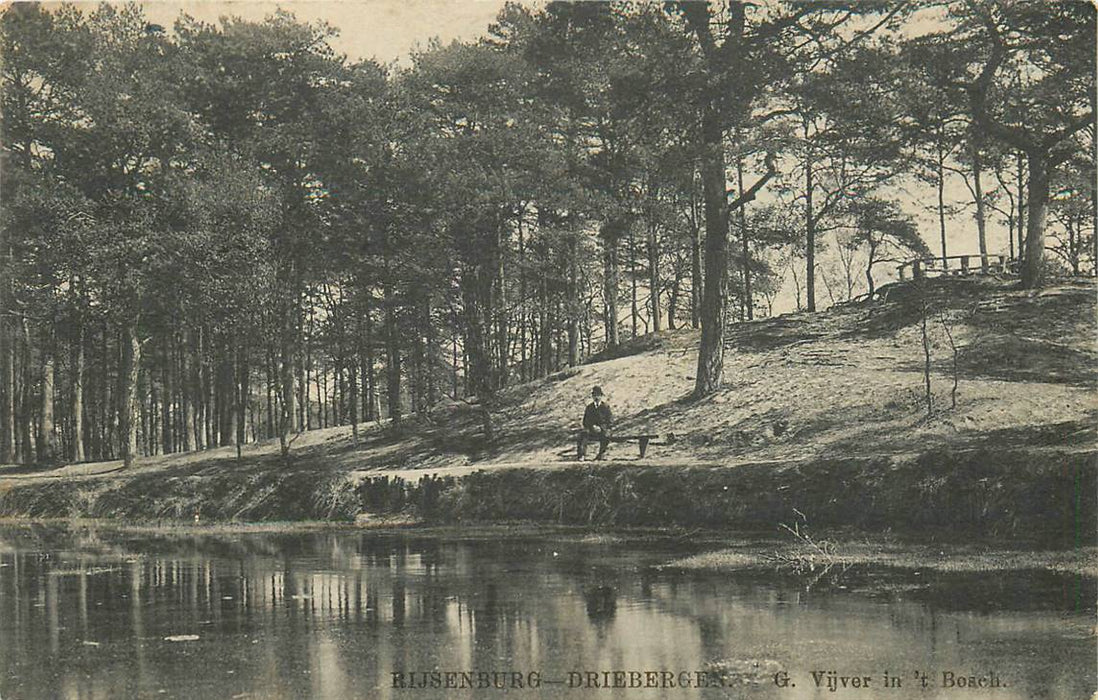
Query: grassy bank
{"type": "Point", "coordinates": [979, 493]}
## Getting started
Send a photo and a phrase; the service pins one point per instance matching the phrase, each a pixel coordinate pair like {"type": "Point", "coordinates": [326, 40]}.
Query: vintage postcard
{"type": "Point", "coordinates": [470, 349]}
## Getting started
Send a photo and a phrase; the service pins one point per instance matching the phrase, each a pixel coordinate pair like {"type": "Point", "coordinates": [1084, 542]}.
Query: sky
{"type": "Point", "coordinates": [385, 30]}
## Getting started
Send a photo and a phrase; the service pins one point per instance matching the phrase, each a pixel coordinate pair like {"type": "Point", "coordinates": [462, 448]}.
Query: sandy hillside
{"type": "Point", "coordinates": [848, 381]}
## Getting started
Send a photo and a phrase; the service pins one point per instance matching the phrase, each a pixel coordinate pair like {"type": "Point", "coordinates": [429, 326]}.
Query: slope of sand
{"type": "Point", "coordinates": [847, 381]}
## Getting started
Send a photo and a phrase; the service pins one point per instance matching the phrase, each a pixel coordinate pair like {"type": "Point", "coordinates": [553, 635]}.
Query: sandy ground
{"type": "Point", "coordinates": [848, 381]}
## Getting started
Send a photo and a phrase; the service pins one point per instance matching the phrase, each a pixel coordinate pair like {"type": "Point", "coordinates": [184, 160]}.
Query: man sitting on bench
{"type": "Point", "coordinates": [596, 425]}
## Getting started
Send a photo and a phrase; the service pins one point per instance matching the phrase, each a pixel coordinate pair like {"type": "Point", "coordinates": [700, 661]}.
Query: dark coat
{"type": "Point", "coordinates": [597, 416]}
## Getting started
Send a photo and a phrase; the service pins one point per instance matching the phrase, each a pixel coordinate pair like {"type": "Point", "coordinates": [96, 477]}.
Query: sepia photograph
{"type": "Point", "coordinates": [430, 349]}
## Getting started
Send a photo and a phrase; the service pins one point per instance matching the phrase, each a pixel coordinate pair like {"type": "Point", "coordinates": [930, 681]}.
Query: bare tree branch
{"type": "Point", "coordinates": [750, 193]}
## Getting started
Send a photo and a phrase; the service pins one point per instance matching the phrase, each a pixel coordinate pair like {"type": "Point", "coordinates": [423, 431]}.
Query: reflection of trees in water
{"type": "Point", "coordinates": [398, 594]}
{"type": "Point", "coordinates": [601, 603]}
{"type": "Point", "coordinates": [405, 604]}
{"type": "Point", "coordinates": [390, 604]}
{"type": "Point", "coordinates": [599, 586]}
{"type": "Point", "coordinates": [486, 615]}
{"type": "Point", "coordinates": [383, 579]}
{"type": "Point", "coordinates": [401, 585]}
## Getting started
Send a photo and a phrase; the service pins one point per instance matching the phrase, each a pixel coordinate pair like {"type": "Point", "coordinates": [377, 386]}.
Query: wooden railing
{"type": "Point", "coordinates": [927, 267]}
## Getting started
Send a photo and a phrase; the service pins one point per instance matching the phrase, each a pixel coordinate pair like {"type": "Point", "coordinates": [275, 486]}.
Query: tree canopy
{"type": "Point", "coordinates": [221, 233]}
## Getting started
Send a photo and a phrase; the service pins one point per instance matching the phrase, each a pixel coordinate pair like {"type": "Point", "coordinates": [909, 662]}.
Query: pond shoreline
{"type": "Point", "coordinates": [938, 496]}
{"type": "Point", "coordinates": [717, 552]}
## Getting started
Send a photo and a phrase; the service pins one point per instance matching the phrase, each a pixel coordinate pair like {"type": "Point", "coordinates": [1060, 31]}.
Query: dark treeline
{"type": "Point", "coordinates": [218, 234]}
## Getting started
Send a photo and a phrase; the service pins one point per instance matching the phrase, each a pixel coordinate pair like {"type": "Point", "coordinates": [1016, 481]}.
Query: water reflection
{"type": "Point", "coordinates": [602, 603]}
{"type": "Point", "coordinates": [336, 615]}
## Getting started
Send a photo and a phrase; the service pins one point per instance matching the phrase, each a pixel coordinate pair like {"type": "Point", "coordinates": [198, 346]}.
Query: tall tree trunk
{"type": "Point", "coordinates": [431, 355]}
{"type": "Point", "coordinates": [127, 415]}
{"type": "Point", "coordinates": [269, 374]}
{"type": "Point", "coordinates": [810, 228]}
{"type": "Point", "coordinates": [696, 285]}
{"type": "Point", "coordinates": [610, 235]}
{"type": "Point", "coordinates": [7, 361]}
{"type": "Point", "coordinates": [588, 329]}
{"type": "Point", "coordinates": [545, 335]}
{"type": "Point", "coordinates": [178, 422]}
{"type": "Point", "coordinates": [415, 376]}
{"type": "Point", "coordinates": [1094, 211]}
{"type": "Point", "coordinates": [24, 410]}
{"type": "Point", "coordinates": [187, 384]}
{"type": "Point", "coordinates": [369, 379]}
{"type": "Point", "coordinates": [502, 321]}
{"type": "Point", "coordinates": [300, 402]}
{"type": "Point", "coordinates": [981, 205]}
{"type": "Point", "coordinates": [1033, 267]}
{"type": "Point", "coordinates": [209, 393]}
{"type": "Point", "coordinates": [353, 393]}
{"type": "Point", "coordinates": [243, 385]}
{"type": "Point", "coordinates": [714, 308]}
{"type": "Point", "coordinates": [654, 274]}
{"type": "Point", "coordinates": [201, 433]}
{"type": "Point", "coordinates": [1022, 208]}
{"type": "Point", "coordinates": [7, 389]}
{"type": "Point", "coordinates": [339, 381]}
{"type": "Point", "coordinates": [720, 60]}
{"type": "Point", "coordinates": [870, 285]}
{"type": "Point", "coordinates": [149, 436]}
{"type": "Point", "coordinates": [573, 299]}
{"type": "Point", "coordinates": [1010, 216]}
{"type": "Point", "coordinates": [392, 355]}
{"type": "Point", "coordinates": [941, 202]}
{"type": "Point", "coordinates": [476, 287]}
{"type": "Point", "coordinates": [323, 404]}
{"type": "Point", "coordinates": [454, 359]}
{"type": "Point", "coordinates": [524, 369]}
{"type": "Point", "coordinates": [77, 451]}
{"type": "Point", "coordinates": [48, 451]}
{"type": "Point", "coordinates": [309, 369]}
{"type": "Point", "coordinates": [559, 333]}
{"type": "Point", "coordinates": [106, 397]}
{"type": "Point", "coordinates": [741, 215]}
{"type": "Point", "coordinates": [633, 315]}
{"type": "Point", "coordinates": [286, 373]}
{"type": "Point", "coordinates": [227, 392]}
{"type": "Point", "coordinates": [166, 403]}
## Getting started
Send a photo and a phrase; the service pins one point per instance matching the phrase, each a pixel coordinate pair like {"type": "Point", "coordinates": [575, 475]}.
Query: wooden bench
{"type": "Point", "coordinates": [643, 440]}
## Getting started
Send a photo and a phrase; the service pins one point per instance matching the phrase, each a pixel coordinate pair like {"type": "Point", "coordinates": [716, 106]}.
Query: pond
{"type": "Point", "coordinates": [89, 613]}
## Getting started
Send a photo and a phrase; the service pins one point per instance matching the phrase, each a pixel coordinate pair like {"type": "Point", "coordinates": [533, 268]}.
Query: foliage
{"type": "Point", "coordinates": [219, 233]}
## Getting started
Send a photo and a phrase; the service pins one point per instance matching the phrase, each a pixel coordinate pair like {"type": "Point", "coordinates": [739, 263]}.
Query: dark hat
{"type": "Point", "coordinates": [597, 391]}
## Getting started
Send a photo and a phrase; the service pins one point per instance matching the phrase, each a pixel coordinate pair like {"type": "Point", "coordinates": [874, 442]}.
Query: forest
{"type": "Point", "coordinates": [216, 234]}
